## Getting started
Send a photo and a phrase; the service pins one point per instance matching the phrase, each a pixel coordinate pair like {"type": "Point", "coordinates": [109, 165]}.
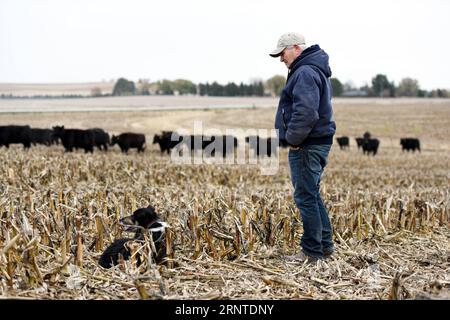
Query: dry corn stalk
{"type": "Point", "coordinates": [169, 247]}
{"type": "Point", "coordinates": [141, 290]}
{"type": "Point", "coordinates": [79, 241]}
{"type": "Point", "coordinates": [209, 241]}
{"type": "Point", "coordinates": [99, 229]}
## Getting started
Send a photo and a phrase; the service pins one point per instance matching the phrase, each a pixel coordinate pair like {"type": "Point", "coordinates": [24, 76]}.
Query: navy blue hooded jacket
{"type": "Point", "coordinates": [305, 114]}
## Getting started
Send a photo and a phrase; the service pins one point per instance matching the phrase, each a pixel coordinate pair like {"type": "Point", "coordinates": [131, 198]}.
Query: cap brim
{"type": "Point", "coordinates": [277, 52]}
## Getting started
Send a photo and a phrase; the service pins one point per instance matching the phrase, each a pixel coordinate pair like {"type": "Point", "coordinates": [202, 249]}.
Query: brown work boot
{"type": "Point", "coordinates": [300, 258]}
{"type": "Point", "coordinates": [328, 253]}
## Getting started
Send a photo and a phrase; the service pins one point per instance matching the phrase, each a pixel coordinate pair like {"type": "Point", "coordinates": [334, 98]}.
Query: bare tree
{"type": "Point", "coordinates": [408, 88]}
{"type": "Point", "coordinates": [275, 84]}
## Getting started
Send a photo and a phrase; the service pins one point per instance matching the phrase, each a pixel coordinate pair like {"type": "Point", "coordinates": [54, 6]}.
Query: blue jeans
{"type": "Point", "coordinates": [307, 165]}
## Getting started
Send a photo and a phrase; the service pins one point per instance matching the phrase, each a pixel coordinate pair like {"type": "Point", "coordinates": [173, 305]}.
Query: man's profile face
{"type": "Point", "coordinates": [289, 54]}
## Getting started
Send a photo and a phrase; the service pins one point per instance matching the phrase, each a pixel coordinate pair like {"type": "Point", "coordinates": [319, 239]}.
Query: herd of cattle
{"type": "Point", "coordinates": [87, 139]}
{"type": "Point", "coordinates": [223, 144]}
{"type": "Point", "coordinates": [71, 139]}
{"type": "Point", "coordinates": [370, 145]}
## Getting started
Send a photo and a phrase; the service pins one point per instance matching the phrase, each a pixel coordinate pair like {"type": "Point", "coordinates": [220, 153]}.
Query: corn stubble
{"type": "Point", "coordinates": [229, 228]}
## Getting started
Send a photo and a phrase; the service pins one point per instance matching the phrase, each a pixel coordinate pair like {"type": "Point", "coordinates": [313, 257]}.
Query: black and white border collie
{"type": "Point", "coordinates": [142, 220]}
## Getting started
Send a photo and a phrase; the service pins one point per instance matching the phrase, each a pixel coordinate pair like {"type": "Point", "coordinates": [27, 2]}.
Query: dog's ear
{"type": "Point", "coordinates": [150, 207]}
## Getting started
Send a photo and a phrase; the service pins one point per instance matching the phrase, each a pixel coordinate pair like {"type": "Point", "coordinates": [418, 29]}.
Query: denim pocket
{"type": "Point", "coordinates": [294, 153]}
{"type": "Point", "coordinates": [317, 157]}
{"type": "Point", "coordinates": [314, 161]}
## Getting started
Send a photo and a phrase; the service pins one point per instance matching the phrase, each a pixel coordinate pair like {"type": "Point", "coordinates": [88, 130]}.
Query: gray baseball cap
{"type": "Point", "coordinates": [286, 40]}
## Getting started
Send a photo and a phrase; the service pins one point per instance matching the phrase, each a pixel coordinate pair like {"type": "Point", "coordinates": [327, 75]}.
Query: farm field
{"type": "Point", "coordinates": [230, 224]}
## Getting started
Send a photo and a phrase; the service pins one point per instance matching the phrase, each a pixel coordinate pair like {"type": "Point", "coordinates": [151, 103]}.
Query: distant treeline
{"type": "Point", "coordinates": [187, 87]}
{"type": "Point", "coordinates": [380, 87]}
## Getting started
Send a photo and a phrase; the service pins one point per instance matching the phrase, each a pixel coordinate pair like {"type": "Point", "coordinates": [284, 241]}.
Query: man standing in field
{"type": "Point", "coordinates": [305, 122]}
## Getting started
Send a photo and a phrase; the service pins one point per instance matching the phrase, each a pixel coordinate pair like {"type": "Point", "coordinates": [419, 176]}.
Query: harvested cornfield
{"type": "Point", "coordinates": [230, 226]}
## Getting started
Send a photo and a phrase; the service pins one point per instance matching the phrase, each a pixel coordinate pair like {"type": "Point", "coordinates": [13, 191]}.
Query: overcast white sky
{"type": "Point", "coordinates": [228, 40]}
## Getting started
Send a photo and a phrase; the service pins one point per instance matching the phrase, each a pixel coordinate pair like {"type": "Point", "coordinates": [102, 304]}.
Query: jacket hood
{"type": "Point", "coordinates": [315, 56]}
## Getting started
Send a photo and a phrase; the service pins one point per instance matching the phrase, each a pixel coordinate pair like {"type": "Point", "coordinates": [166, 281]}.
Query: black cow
{"type": "Point", "coordinates": [344, 142]}
{"type": "Point", "coordinates": [410, 144]}
{"type": "Point", "coordinates": [128, 141]}
{"type": "Point", "coordinates": [101, 138]}
{"type": "Point", "coordinates": [43, 136]}
{"type": "Point", "coordinates": [370, 145]}
{"type": "Point", "coordinates": [256, 143]}
{"type": "Point", "coordinates": [142, 220]}
{"type": "Point", "coordinates": [75, 138]}
{"type": "Point", "coordinates": [15, 134]}
{"type": "Point", "coordinates": [165, 141]}
{"type": "Point", "coordinates": [359, 142]}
